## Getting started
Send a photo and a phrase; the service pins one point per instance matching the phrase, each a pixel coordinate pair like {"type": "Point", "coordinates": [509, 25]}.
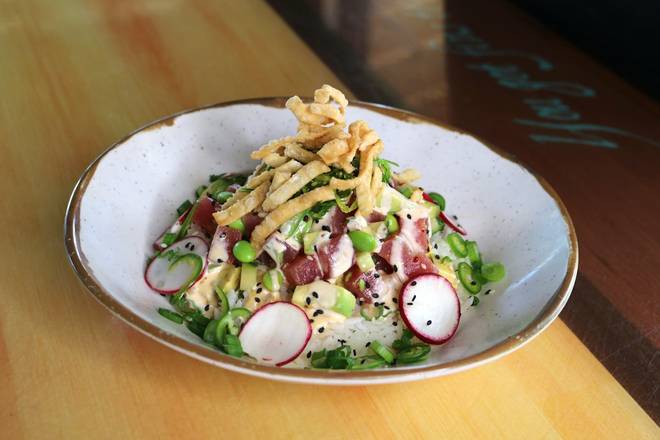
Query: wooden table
{"type": "Point", "coordinates": [78, 75]}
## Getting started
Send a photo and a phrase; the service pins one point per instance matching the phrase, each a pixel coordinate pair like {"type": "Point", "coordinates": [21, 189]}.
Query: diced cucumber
{"type": "Point", "coordinates": [309, 240]}
{"type": "Point", "coordinates": [248, 276]}
{"type": "Point", "coordinates": [364, 261]}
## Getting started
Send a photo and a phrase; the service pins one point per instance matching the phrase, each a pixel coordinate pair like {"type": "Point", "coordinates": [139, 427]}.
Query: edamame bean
{"type": "Point", "coordinates": [363, 241]}
{"type": "Point", "coordinates": [244, 252]}
{"type": "Point", "coordinates": [273, 279]}
{"type": "Point", "coordinates": [391, 223]}
{"type": "Point", "coordinates": [237, 224]}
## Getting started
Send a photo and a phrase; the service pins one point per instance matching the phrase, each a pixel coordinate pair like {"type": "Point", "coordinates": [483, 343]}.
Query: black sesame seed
{"type": "Point", "coordinates": [308, 300]}
{"type": "Point", "coordinates": [306, 218]}
{"type": "Point", "coordinates": [259, 290]}
{"type": "Point", "coordinates": [409, 216]}
{"type": "Point", "coordinates": [318, 312]}
{"type": "Point", "coordinates": [386, 308]}
{"type": "Point", "coordinates": [309, 354]}
{"type": "Point", "coordinates": [454, 217]}
{"type": "Point", "coordinates": [409, 303]}
{"type": "Point", "coordinates": [321, 329]}
{"type": "Point", "coordinates": [223, 235]}
{"type": "Point", "coordinates": [437, 257]}
{"type": "Point", "coordinates": [473, 283]}
{"type": "Point", "coordinates": [207, 307]}
{"type": "Point", "coordinates": [325, 228]}
{"type": "Point", "coordinates": [376, 275]}
{"type": "Point", "coordinates": [435, 246]}
{"type": "Point", "coordinates": [374, 295]}
{"type": "Point", "coordinates": [367, 285]}
{"type": "Point", "coordinates": [163, 295]}
{"type": "Point", "coordinates": [315, 295]}
{"type": "Point", "coordinates": [363, 361]}
{"type": "Point", "coordinates": [241, 295]}
{"type": "Point", "coordinates": [414, 283]}
{"type": "Point", "coordinates": [219, 260]}
{"type": "Point", "coordinates": [367, 344]}
{"type": "Point", "coordinates": [428, 322]}
{"type": "Point", "coordinates": [192, 247]}
{"type": "Point", "coordinates": [354, 352]}
{"type": "Point", "coordinates": [395, 300]}
{"type": "Point", "coordinates": [414, 298]}
{"type": "Point", "coordinates": [257, 300]}
{"type": "Point", "coordinates": [395, 269]}
{"type": "Point", "coordinates": [487, 292]}
{"type": "Point", "coordinates": [395, 323]}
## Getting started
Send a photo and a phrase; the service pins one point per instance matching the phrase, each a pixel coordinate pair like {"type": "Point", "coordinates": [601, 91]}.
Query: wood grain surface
{"type": "Point", "coordinates": [77, 75]}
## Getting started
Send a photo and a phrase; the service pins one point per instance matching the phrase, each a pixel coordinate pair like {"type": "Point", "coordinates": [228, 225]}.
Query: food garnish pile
{"type": "Point", "coordinates": [323, 257]}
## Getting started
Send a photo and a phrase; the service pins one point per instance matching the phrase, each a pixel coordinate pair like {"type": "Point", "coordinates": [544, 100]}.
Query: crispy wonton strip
{"type": "Point", "coordinates": [301, 111]}
{"type": "Point", "coordinates": [295, 151]}
{"type": "Point", "coordinates": [290, 167]}
{"type": "Point", "coordinates": [332, 151]}
{"type": "Point", "coordinates": [287, 210]}
{"type": "Point", "coordinates": [271, 147]}
{"type": "Point", "coordinates": [238, 195]}
{"type": "Point", "coordinates": [274, 160]}
{"type": "Point", "coordinates": [257, 180]}
{"type": "Point", "coordinates": [295, 183]}
{"type": "Point", "coordinates": [326, 93]}
{"type": "Point", "coordinates": [314, 136]}
{"type": "Point", "coordinates": [407, 176]}
{"type": "Point", "coordinates": [376, 181]}
{"type": "Point", "coordinates": [366, 164]}
{"type": "Point", "coordinates": [278, 180]}
{"type": "Point", "coordinates": [327, 110]}
{"type": "Point", "coordinates": [243, 206]}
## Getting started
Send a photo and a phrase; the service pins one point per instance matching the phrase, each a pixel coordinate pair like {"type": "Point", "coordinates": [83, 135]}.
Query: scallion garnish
{"type": "Point", "coordinates": [172, 316]}
{"type": "Point", "coordinates": [183, 207]}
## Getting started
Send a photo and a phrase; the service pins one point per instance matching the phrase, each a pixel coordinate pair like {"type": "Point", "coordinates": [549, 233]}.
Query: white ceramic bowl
{"type": "Point", "coordinates": [126, 197]}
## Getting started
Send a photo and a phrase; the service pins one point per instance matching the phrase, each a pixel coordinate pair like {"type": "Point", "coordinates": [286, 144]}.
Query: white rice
{"type": "Point", "coordinates": [356, 332]}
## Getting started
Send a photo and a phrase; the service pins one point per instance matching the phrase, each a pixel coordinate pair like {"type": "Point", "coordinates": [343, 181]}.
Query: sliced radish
{"type": "Point", "coordinates": [276, 334]}
{"type": "Point", "coordinates": [167, 278]}
{"type": "Point", "coordinates": [430, 308]}
{"type": "Point", "coordinates": [456, 227]}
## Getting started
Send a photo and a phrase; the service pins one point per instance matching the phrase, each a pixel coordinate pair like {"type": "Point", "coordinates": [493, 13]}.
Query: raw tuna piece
{"type": "Point", "coordinates": [302, 270]}
{"type": "Point", "coordinates": [336, 256]}
{"type": "Point", "coordinates": [203, 216]}
{"type": "Point", "coordinates": [373, 283]}
{"type": "Point", "coordinates": [251, 221]}
{"type": "Point", "coordinates": [222, 245]}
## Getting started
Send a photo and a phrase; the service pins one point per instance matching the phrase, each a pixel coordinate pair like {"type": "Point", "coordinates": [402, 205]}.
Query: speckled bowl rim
{"type": "Point", "coordinates": [544, 318]}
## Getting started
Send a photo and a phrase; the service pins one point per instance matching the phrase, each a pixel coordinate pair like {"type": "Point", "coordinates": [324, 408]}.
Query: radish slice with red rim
{"type": "Point", "coordinates": [172, 269]}
{"type": "Point", "coordinates": [276, 334]}
{"type": "Point", "coordinates": [455, 226]}
{"type": "Point", "coordinates": [430, 308]}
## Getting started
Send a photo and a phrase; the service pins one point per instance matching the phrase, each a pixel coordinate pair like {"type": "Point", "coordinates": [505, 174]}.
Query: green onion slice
{"type": "Point", "coordinates": [382, 351]}
{"type": "Point", "coordinates": [457, 244]}
{"type": "Point", "coordinates": [172, 316]}
{"type": "Point", "coordinates": [413, 353]}
{"type": "Point", "coordinates": [493, 271]}
{"type": "Point", "coordinates": [467, 279]}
